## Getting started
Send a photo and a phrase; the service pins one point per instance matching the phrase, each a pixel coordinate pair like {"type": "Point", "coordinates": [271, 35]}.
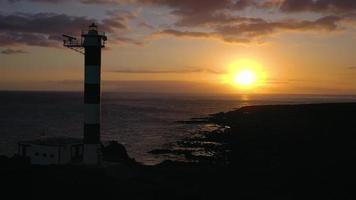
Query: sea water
{"type": "Point", "coordinates": [141, 122]}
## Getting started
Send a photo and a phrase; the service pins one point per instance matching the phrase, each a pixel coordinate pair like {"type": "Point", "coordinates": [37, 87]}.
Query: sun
{"type": "Point", "coordinates": [245, 78]}
{"type": "Point", "coordinates": [245, 74]}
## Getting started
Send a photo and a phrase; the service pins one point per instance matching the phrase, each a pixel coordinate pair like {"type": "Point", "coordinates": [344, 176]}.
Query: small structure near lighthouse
{"type": "Point", "coordinates": [89, 149]}
{"type": "Point", "coordinates": [52, 151]}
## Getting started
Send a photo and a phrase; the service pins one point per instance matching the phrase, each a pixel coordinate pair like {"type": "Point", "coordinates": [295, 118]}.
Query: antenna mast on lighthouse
{"type": "Point", "coordinates": [90, 44]}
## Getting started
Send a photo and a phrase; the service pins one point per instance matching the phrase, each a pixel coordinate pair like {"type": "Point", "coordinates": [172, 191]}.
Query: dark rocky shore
{"type": "Point", "coordinates": [262, 152]}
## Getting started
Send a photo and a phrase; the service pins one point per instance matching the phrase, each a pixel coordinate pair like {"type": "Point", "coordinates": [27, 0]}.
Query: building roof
{"type": "Point", "coordinates": [53, 141]}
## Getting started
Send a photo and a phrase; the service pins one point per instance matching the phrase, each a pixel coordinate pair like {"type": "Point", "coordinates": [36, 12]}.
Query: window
{"type": "Point", "coordinates": [44, 155]}
{"type": "Point", "coordinates": [37, 154]}
{"type": "Point", "coordinates": [52, 156]}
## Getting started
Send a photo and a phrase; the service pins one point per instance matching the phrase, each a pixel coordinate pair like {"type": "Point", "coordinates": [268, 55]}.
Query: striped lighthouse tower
{"type": "Point", "coordinates": [92, 43]}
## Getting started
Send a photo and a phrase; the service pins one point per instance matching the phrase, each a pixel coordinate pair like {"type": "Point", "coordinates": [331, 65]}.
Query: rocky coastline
{"type": "Point", "coordinates": [277, 151]}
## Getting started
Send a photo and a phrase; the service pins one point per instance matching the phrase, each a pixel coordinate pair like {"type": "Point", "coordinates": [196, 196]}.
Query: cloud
{"type": "Point", "coordinates": [203, 12]}
{"type": "Point", "coordinates": [174, 71]}
{"type": "Point", "coordinates": [247, 32]}
{"type": "Point", "coordinates": [146, 25]}
{"type": "Point", "coordinates": [45, 1]}
{"type": "Point", "coordinates": [218, 19]}
{"type": "Point", "coordinates": [45, 29]}
{"type": "Point", "coordinates": [100, 1]}
{"type": "Point", "coordinates": [125, 40]}
{"type": "Point", "coordinates": [352, 68]}
{"type": "Point", "coordinates": [318, 5]}
{"type": "Point", "coordinates": [213, 19]}
{"type": "Point", "coordinates": [328, 23]}
{"type": "Point", "coordinates": [9, 51]}
{"type": "Point", "coordinates": [192, 12]}
{"type": "Point", "coordinates": [186, 7]}
{"type": "Point", "coordinates": [179, 33]}
{"type": "Point", "coordinates": [183, 4]}
{"type": "Point", "coordinates": [203, 35]}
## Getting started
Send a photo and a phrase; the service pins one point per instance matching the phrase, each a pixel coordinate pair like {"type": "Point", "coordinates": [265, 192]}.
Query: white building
{"type": "Point", "coordinates": [46, 151]}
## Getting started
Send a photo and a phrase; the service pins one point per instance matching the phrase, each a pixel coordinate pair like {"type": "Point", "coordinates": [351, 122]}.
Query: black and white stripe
{"type": "Point", "coordinates": [92, 93]}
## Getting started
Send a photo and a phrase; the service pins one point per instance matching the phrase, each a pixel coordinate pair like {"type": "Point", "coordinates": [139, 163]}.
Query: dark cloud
{"type": "Point", "coordinates": [119, 19]}
{"type": "Point", "coordinates": [192, 5]}
{"type": "Point", "coordinates": [101, 1]}
{"type": "Point", "coordinates": [45, 29]}
{"type": "Point", "coordinates": [192, 34]}
{"type": "Point", "coordinates": [42, 29]}
{"type": "Point", "coordinates": [218, 19]}
{"type": "Point", "coordinates": [39, 1]}
{"type": "Point", "coordinates": [179, 33]}
{"type": "Point", "coordinates": [145, 25]}
{"type": "Point", "coordinates": [262, 28]}
{"type": "Point", "coordinates": [125, 40]}
{"type": "Point", "coordinates": [318, 5]}
{"type": "Point", "coordinates": [185, 7]}
{"type": "Point", "coordinates": [193, 12]}
{"type": "Point", "coordinates": [352, 68]}
{"type": "Point", "coordinates": [32, 39]}
{"type": "Point", "coordinates": [213, 19]}
{"type": "Point", "coordinates": [246, 32]}
{"type": "Point", "coordinates": [221, 21]}
{"type": "Point", "coordinates": [203, 12]}
{"type": "Point", "coordinates": [9, 51]}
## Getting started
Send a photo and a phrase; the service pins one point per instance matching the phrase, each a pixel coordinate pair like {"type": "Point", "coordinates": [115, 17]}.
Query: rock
{"type": "Point", "coordinates": [160, 151]}
{"type": "Point", "coordinates": [116, 152]}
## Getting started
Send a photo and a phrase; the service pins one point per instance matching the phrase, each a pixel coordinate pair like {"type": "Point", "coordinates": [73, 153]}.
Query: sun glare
{"type": "Point", "coordinates": [245, 74]}
{"type": "Point", "coordinates": [245, 77]}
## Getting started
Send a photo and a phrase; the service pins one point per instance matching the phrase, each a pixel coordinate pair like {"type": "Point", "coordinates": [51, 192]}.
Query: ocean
{"type": "Point", "coordinates": [141, 122]}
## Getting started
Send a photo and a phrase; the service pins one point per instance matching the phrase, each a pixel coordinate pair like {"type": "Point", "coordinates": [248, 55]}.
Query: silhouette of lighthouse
{"type": "Point", "coordinates": [90, 45]}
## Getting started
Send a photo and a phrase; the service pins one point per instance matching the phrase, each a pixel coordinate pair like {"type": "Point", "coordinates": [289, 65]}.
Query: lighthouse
{"type": "Point", "coordinates": [90, 44]}
{"type": "Point", "coordinates": [64, 150]}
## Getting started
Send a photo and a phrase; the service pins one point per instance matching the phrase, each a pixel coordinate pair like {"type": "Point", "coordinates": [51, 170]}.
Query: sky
{"type": "Point", "coordinates": [183, 46]}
